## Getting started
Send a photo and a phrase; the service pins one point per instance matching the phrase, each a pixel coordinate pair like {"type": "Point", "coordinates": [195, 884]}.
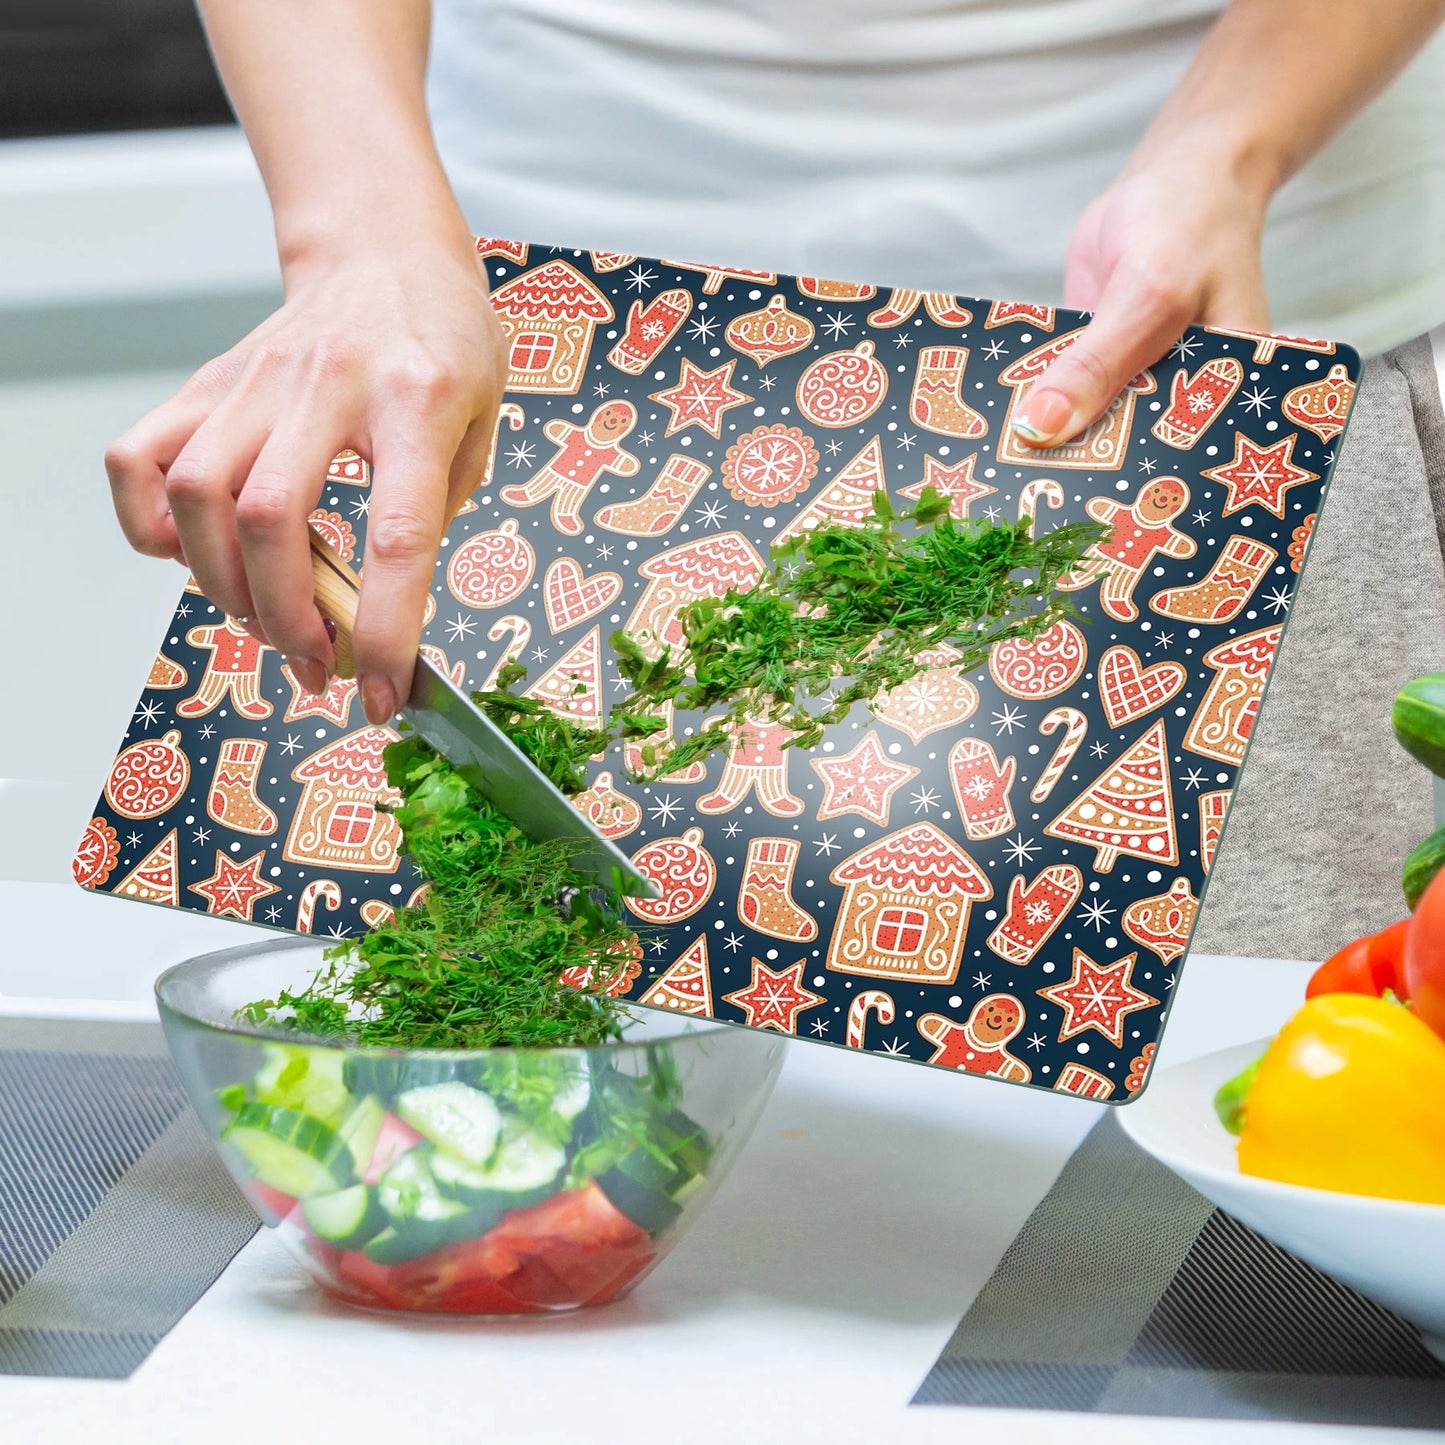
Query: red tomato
{"type": "Point", "coordinates": [1369, 965]}
{"type": "Point", "coordinates": [363, 1281]}
{"type": "Point", "coordinates": [1425, 956]}
{"type": "Point", "coordinates": [270, 1204]}
{"type": "Point", "coordinates": [392, 1142]}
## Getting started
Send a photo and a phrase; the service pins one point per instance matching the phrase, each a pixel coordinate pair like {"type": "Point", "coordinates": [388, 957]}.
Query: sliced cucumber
{"type": "Point", "coordinates": [643, 1205]}
{"type": "Point", "coordinates": [287, 1150]}
{"type": "Point", "coordinates": [459, 1120]}
{"type": "Point", "coordinates": [347, 1218]}
{"type": "Point", "coordinates": [392, 1074]}
{"type": "Point", "coordinates": [295, 1076]}
{"type": "Point", "coordinates": [573, 1094]}
{"type": "Point", "coordinates": [420, 1218]}
{"type": "Point", "coordinates": [523, 1172]}
{"type": "Point", "coordinates": [361, 1128]}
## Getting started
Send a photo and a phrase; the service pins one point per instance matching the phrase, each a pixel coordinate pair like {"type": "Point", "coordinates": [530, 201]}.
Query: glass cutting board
{"type": "Point", "coordinates": [995, 872]}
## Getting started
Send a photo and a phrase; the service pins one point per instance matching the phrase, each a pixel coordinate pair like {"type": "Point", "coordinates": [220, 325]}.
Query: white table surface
{"type": "Point", "coordinates": [808, 1302]}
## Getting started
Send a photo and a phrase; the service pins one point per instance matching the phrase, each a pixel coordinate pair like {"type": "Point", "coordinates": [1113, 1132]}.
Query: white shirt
{"type": "Point", "coordinates": [941, 144]}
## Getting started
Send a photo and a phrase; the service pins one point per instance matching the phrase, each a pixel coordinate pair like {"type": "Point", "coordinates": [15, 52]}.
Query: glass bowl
{"type": "Point", "coordinates": [463, 1182]}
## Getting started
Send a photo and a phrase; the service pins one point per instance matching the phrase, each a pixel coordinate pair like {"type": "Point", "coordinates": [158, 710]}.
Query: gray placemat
{"type": "Point", "coordinates": [1128, 1293]}
{"type": "Point", "coordinates": [116, 1215]}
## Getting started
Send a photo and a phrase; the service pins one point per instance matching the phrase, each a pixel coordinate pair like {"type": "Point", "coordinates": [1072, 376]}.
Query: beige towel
{"type": "Point", "coordinates": [1329, 805]}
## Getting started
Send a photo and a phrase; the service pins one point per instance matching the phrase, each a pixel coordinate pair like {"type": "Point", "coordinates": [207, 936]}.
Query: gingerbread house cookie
{"type": "Point", "coordinates": [1221, 725]}
{"type": "Point", "coordinates": [336, 823]}
{"type": "Point", "coordinates": [549, 315]}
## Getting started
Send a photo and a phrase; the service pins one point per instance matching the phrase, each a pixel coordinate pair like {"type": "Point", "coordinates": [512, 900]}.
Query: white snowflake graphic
{"type": "Point", "coordinates": [666, 808]}
{"type": "Point", "coordinates": [653, 329]}
{"type": "Point", "coordinates": [272, 914]}
{"type": "Point", "coordinates": [360, 506]}
{"type": "Point", "coordinates": [208, 732]}
{"type": "Point", "coordinates": [1257, 401]}
{"type": "Point", "coordinates": [733, 942]}
{"type": "Point", "coordinates": [460, 628]}
{"type": "Point", "coordinates": [1194, 778]}
{"type": "Point", "coordinates": [202, 836]}
{"type": "Point", "coordinates": [819, 1027]}
{"type": "Point", "coordinates": [994, 350]}
{"type": "Point", "coordinates": [1035, 1041]}
{"type": "Point", "coordinates": [1162, 640]}
{"type": "Point", "coordinates": [601, 389]}
{"type": "Point", "coordinates": [924, 800]}
{"type": "Point", "coordinates": [644, 438]}
{"type": "Point", "coordinates": [731, 830]}
{"type": "Point", "coordinates": [1184, 348]}
{"type": "Point", "coordinates": [338, 930]}
{"type": "Point", "coordinates": [711, 514]}
{"type": "Point", "coordinates": [1007, 718]}
{"type": "Point", "coordinates": [767, 383]}
{"type": "Point", "coordinates": [992, 513]}
{"type": "Point", "coordinates": [1038, 912]}
{"type": "Point", "coordinates": [1097, 911]}
{"type": "Point", "coordinates": [833, 448]}
{"type": "Point", "coordinates": [1099, 749]}
{"type": "Point", "coordinates": [184, 610]}
{"type": "Point", "coordinates": [826, 844]}
{"type": "Point", "coordinates": [640, 278]}
{"type": "Point", "coordinates": [147, 713]}
{"type": "Point", "coordinates": [539, 654]}
{"type": "Point", "coordinates": [907, 441]}
{"type": "Point", "coordinates": [1279, 600]}
{"type": "Point", "coordinates": [895, 1046]}
{"type": "Point", "coordinates": [657, 945]}
{"type": "Point", "coordinates": [520, 455]}
{"type": "Point", "coordinates": [133, 839]}
{"type": "Point", "coordinates": [1020, 849]}
{"type": "Point", "coordinates": [838, 325]}
{"type": "Point", "coordinates": [770, 464]}
{"type": "Point", "coordinates": [291, 745]}
{"type": "Point", "coordinates": [982, 980]}
{"type": "Point", "coordinates": [605, 552]}
{"type": "Point", "coordinates": [1147, 466]}
{"type": "Point", "coordinates": [702, 328]}
{"type": "Point", "coordinates": [1199, 402]}
{"type": "Point", "coordinates": [977, 789]}
{"type": "Point", "coordinates": [903, 339]}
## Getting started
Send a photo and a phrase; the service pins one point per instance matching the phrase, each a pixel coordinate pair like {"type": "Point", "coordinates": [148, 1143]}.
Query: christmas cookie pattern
{"type": "Point", "coordinates": [940, 853]}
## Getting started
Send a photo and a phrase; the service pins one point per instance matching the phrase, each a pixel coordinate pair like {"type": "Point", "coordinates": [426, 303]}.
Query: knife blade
{"type": "Point", "coordinates": [475, 746]}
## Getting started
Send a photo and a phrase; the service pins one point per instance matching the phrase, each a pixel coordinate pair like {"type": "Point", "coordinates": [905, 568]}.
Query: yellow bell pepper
{"type": "Point", "coordinates": [1350, 1096]}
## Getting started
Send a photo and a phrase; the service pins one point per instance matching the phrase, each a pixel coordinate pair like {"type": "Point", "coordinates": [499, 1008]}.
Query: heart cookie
{"type": "Point", "coordinates": [572, 597]}
{"type": "Point", "coordinates": [1129, 689]}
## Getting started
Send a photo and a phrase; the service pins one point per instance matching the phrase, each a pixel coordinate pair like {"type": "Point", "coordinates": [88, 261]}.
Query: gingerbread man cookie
{"type": "Point", "coordinates": [234, 668]}
{"type": "Point", "coordinates": [583, 454]}
{"type": "Point", "coordinates": [979, 1046]}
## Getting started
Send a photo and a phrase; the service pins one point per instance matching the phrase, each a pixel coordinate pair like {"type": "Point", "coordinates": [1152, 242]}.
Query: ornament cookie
{"type": "Point", "coordinates": [979, 1046]}
{"type": "Point", "coordinates": [492, 568]}
{"type": "Point", "coordinates": [149, 777]}
{"type": "Point", "coordinates": [1034, 910]}
{"type": "Point", "coordinates": [1322, 405]}
{"type": "Point", "coordinates": [686, 987]}
{"type": "Point", "coordinates": [658, 510]}
{"type": "Point", "coordinates": [981, 788]}
{"type": "Point", "coordinates": [684, 873]}
{"type": "Point", "coordinates": [570, 596]}
{"type": "Point", "coordinates": [1128, 808]}
{"type": "Point", "coordinates": [1195, 401]}
{"type": "Point", "coordinates": [1128, 689]}
{"type": "Point", "coordinates": [549, 315]}
{"type": "Point", "coordinates": [1049, 664]}
{"type": "Point", "coordinates": [905, 907]}
{"type": "Point", "coordinates": [614, 813]}
{"type": "Point", "coordinates": [1221, 726]}
{"type": "Point", "coordinates": [862, 781]}
{"type": "Point", "coordinates": [770, 465]}
{"type": "Point", "coordinates": [1163, 923]}
{"type": "Point", "coordinates": [843, 388]}
{"type": "Point", "coordinates": [583, 454]}
{"type": "Point", "coordinates": [765, 900]}
{"type": "Point", "coordinates": [95, 854]}
{"type": "Point", "coordinates": [1238, 569]}
{"type": "Point", "coordinates": [938, 697]}
{"type": "Point", "coordinates": [770, 334]}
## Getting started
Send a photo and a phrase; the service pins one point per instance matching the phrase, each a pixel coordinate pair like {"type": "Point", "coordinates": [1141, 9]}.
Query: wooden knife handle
{"type": "Point", "coordinates": [337, 588]}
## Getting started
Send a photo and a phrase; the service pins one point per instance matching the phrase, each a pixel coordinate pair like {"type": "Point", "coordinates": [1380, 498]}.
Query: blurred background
{"type": "Point", "coordinates": [135, 243]}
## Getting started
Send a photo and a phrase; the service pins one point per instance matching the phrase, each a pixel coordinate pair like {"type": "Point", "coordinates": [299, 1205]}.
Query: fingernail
{"type": "Point", "coordinates": [378, 698]}
{"type": "Point", "coordinates": [330, 627]}
{"type": "Point", "coordinates": [310, 674]}
{"type": "Point", "coordinates": [1045, 415]}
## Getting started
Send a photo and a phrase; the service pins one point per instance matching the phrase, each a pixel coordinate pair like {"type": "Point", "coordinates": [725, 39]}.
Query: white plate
{"type": "Point", "coordinates": [1388, 1249]}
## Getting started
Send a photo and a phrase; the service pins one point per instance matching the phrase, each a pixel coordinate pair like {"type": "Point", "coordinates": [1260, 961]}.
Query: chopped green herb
{"type": "Point", "coordinates": [845, 614]}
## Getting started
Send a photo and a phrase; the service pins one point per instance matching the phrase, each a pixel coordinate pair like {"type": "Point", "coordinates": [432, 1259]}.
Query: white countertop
{"type": "Point", "coordinates": [808, 1302]}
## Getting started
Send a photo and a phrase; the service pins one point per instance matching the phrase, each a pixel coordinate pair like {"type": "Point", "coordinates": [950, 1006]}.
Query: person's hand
{"type": "Point", "coordinates": [1175, 240]}
{"type": "Point", "coordinates": [398, 355]}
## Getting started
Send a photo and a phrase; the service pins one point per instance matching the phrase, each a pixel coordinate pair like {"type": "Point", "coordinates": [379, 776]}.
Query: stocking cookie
{"type": "Point", "coordinates": [1074, 1078]}
{"type": "Point", "coordinates": [765, 900]}
{"type": "Point", "coordinates": [233, 800]}
{"type": "Point", "coordinates": [979, 1045]}
{"type": "Point", "coordinates": [937, 401]}
{"type": "Point", "coordinates": [583, 454]}
{"type": "Point", "coordinates": [1238, 569]}
{"type": "Point", "coordinates": [1139, 532]}
{"type": "Point", "coordinates": [657, 511]}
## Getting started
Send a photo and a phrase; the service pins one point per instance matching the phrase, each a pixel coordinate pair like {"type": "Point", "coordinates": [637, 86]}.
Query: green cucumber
{"type": "Point", "coordinates": [296, 1076]}
{"type": "Point", "coordinates": [347, 1218]}
{"type": "Point", "coordinates": [1419, 720]}
{"type": "Point", "coordinates": [645, 1206]}
{"type": "Point", "coordinates": [419, 1217]}
{"type": "Point", "coordinates": [289, 1151]}
{"type": "Point", "coordinates": [459, 1120]}
{"type": "Point", "coordinates": [1421, 866]}
{"type": "Point", "coordinates": [389, 1075]}
{"type": "Point", "coordinates": [523, 1171]}
{"type": "Point", "coordinates": [361, 1128]}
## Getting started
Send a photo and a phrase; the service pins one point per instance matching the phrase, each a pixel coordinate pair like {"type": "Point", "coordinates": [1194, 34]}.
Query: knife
{"type": "Point", "coordinates": [475, 746]}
